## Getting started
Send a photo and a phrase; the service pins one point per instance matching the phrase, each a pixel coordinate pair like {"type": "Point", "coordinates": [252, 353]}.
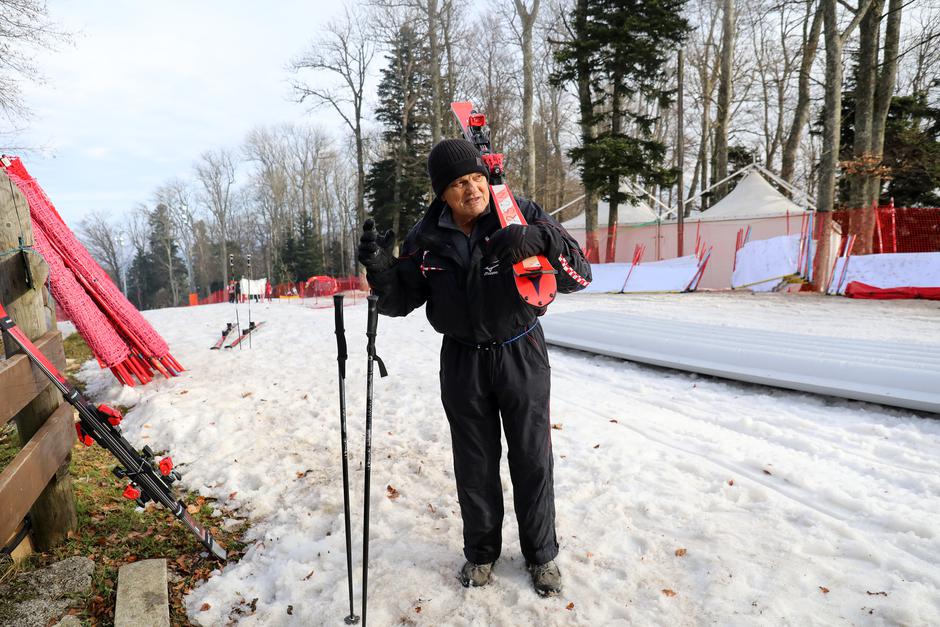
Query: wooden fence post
{"type": "Point", "coordinates": [53, 514]}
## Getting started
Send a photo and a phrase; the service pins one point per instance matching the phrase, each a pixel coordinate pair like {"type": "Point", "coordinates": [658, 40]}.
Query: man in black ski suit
{"type": "Point", "coordinates": [458, 261]}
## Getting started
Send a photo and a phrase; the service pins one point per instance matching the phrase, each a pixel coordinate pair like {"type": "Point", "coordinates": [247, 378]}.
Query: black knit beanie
{"type": "Point", "coordinates": [450, 159]}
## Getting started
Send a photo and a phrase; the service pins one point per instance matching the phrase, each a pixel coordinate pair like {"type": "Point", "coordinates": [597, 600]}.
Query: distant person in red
{"type": "Point", "coordinates": [268, 291]}
{"type": "Point", "coordinates": [231, 291]}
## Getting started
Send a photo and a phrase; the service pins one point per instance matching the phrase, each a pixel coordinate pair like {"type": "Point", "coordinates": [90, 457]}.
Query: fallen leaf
{"type": "Point", "coordinates": [418, 609]}
{"type": "Point", "coordinates": [875, 594]}
{"type": "Point", "coordinates": [232, 494]}
{"type": "Point", "coordinates": [306, 396]}
{"type": "Point", "coordinates": [204, 607]}
{"type": "Point", "coordinates": [824, 590]}
{"type": "Point", "coordinates": [730, 481]}
{"type": "Point", "coordinates": [309, 575]}
{"type": "Point", "coordinates": [392, 493]}
{"type": "Point", "coordinates": [247, 394]}
{"type": "Point", "coordinates": [290, 610]}
{"type": "Point", "coordinates": [597, 446]}
{"type": "Point", "coordinates": [184, 392]}
{"type": "Point", "coordinates": [589, 554]}
{"type": "Point", "coordinates": [431, 508]}
{"type": "Point", "coordinates": [767, 472]}
{"type": "Point", "coordinates": [200, 500]}
{"type": "Point", "coordinates": [668, 592]}
{"type": "Point", "coordinates": [680, 552]}
{"type": "Point", "coordinates": [192, 509]}
{"type": "Point", "coordinates": [570, 606]}
{"type": "Point", "coordinates": [613, 420]}
{"type": "Point", "coordinates": [556, 426]}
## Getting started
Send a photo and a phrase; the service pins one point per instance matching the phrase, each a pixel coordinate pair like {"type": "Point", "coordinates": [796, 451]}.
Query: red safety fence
{"type": "Point", "coordinates": [898, 229]}
{"type": "Point", "coordinates": [314, 287]}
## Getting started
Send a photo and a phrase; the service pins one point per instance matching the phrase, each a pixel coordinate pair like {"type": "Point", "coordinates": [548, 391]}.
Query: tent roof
{"type": "Point", "coordinates": [753, 197]}
{"type": "Point", "coordinates": [637, 213]}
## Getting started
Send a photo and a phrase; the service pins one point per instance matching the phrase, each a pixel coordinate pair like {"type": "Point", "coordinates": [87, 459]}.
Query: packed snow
{"type": "Point", "coordinates": [681, 499]}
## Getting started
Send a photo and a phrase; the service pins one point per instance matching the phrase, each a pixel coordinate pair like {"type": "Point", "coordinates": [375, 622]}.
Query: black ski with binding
{"type": "Point", "coordinates": [150, 480]}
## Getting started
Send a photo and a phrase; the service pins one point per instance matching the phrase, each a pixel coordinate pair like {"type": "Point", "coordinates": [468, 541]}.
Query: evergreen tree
{"type": "Point", "coordinates": [623, 46]}
{"type": "Point", "coordinates": [911, 160]}
{"type": "Point", "coordinates": [397, 185]}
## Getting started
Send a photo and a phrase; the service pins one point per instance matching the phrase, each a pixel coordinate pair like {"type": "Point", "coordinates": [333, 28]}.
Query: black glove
{"type": "Point", "coordinates": [375, 251]}
{"type": "Point", "coordinates": [516, 242]}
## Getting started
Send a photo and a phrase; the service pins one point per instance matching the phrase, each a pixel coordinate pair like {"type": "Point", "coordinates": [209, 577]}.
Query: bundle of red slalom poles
{"type": "Point", "coordinates": [118, 335]}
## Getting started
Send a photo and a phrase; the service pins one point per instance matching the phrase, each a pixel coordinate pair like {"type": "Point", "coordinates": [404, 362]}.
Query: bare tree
{"type": "Point", "coordinates": [527, 18]}
{"type": "Point", "coordinates": [25, 28]}
{"type": "Point", "coordinates": [102, 238]}
{"type": "Point", "coordinates": [346, 51]}
{"type": "Point", "coordinates": [215, 172]}
{"type": "Point", "coordinates": [811, 31]}
{"type": "Point", "coordinates": [723, 118]}
{"type": "Point", "coordinates": [176, 195]}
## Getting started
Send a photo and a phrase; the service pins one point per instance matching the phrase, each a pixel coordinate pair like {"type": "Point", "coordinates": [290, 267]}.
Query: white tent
{"type": "Point", "coordinates": [627, 213]}
{"type": "Point", "coordinates": [753, 197]}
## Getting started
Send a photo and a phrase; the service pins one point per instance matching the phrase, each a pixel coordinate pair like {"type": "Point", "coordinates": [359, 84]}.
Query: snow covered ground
{"type": "Point", "coordinates": [681, 500]}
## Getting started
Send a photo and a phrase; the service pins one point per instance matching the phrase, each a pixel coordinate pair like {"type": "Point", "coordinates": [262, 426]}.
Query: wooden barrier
{"type": "Point", "coordinates": [37, 480]}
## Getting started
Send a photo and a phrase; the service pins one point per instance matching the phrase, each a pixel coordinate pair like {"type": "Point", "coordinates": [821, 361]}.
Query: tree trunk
{"type": "Point", "coordinates": [828, 160]}
{"type": "Point", "coordinates": [865, 73]}
{"type": "Point", "coordinates": [884, 91]}
{"type": "Point", "coordinates": [613, 189]}
{"type": "Point", "coordinates": [801, 111]}
{"type": "Point", "coordinates": [724, 96]}
{"type": "Point", "coordinates": [433, 49]}
{"type": "Point", "coordinates": [528, 21]}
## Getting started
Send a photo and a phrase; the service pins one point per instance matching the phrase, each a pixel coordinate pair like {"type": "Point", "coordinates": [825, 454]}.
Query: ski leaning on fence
{"type": "Point", "coordinates": [150, 480]}
{"type": "Point", "coordinates": [535, 277]}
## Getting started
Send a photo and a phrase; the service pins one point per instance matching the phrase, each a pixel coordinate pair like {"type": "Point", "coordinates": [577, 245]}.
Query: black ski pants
{"type": "Point", "coordinates": [478, 385]}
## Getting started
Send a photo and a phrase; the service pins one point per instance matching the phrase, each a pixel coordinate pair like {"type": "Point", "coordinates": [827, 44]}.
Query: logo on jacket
{"type": "Point", "coordinates": [491, 270]}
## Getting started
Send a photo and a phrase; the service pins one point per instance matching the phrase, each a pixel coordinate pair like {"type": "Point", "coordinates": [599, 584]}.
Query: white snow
{"type": "Point", "coordinates": [887, 270]}
{"type": "Point", "coordinates": [791, 508]}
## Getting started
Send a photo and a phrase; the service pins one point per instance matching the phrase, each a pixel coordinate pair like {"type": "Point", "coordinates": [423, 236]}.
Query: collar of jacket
{"type": "Point", "coordinates": [432, 237]}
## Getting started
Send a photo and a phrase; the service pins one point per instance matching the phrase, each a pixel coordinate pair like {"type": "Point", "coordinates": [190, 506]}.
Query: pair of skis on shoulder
{"type": "Point", "coordinates": [149, 479]}
{"type": "Point", "coordinates": [534, 276]}
{"type": "Point", "coordinates": [227, 332]}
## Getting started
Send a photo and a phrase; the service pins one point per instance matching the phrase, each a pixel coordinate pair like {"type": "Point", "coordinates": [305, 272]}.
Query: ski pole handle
{"type": "Point", "coordinates": [340, 334]}
{"type": "Point", "coordinates": [372, 324]}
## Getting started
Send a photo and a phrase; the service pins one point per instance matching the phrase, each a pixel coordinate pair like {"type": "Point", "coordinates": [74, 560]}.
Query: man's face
{"type": "Point", "coordinates": [467, 197]}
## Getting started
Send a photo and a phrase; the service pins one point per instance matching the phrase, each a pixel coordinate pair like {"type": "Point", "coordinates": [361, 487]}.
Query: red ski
{"type": "Point", "coordinates": [245, 333]}
{"type": "Point", "coordinates": [229, 327]}
{"type": "Point", "coordinates": [535, 277]}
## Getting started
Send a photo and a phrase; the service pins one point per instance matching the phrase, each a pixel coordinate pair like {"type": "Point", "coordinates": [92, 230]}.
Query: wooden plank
{"type": "Point", "coordinates": [21, 382]}
{"type": "Point", "coordinates": [26, 477]}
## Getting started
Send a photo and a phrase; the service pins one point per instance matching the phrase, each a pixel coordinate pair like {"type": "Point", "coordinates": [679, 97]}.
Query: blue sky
{"type": "Point", "coordinates": [146, 87]}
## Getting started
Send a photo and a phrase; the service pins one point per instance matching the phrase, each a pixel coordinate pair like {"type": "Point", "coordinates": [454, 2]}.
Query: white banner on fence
{"type": "Point", "coordinates": [255, 287]}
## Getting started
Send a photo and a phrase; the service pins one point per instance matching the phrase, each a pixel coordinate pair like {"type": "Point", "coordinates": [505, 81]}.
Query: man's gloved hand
{"type": "Point", "coordinates": [375, 250]}
{"type": "Point", "coordinates": [516, 242]}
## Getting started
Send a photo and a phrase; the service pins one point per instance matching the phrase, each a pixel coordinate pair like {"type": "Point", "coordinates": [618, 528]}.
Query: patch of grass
{"type": "Point", "coordinates": [77, 352]}
{"type": "Point", "coordinates": [112, 531]}
{"type": "Point", "coordinates": [9, 444]}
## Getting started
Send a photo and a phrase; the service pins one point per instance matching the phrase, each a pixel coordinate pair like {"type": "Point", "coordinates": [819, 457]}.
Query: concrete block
{"type": "Point", "coordinates": [142, 597]}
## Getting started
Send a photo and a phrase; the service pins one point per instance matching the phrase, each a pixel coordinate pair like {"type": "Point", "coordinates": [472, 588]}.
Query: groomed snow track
{"type": "Point", "coordinates": [889, 373]}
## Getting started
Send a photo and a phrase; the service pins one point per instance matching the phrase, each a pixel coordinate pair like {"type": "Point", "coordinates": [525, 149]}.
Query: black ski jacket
{"type": "Point", "coordinates": [476, 303]}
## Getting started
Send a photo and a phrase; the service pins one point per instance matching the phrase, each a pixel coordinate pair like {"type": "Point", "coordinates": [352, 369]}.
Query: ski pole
{"type": "Point", "coordinates": [231, 267]}
{"type": "Point", "coordinates": [249, 299]}
{"type": "Point", "coordinates": [372, 324]}
{"type": "Point", "coordinates": [352, 619]}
